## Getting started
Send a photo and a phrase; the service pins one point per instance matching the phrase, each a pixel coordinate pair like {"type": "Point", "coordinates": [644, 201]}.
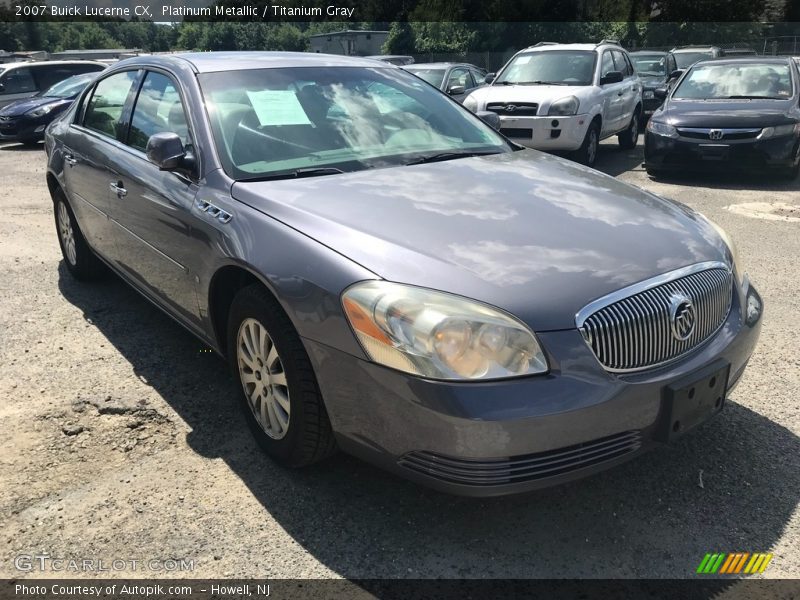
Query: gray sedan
{"type": "Point", "coordinates": [455, 79]}
{"type": "Point", "coordinates": [388, 275]}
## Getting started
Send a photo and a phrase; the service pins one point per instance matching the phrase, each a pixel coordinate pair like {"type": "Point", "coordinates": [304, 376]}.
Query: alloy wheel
{"type": "Point", "coordinates": [263, 378]}
{"type": "Point", "coordinates": [67, 234]}
{"type": "Point", "coordinates": [591, 149]}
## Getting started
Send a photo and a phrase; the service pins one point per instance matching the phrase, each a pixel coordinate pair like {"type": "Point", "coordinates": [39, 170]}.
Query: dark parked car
{"type": "Point", "coordinates": [25, 120]}
{"type": "Point", "coordinates": [656, 70]}
{"type": "Point", "coordinates": [742, 112]}
{"type": "Point", "coordinates": [405, 285]}
{"type": "Point", "coordinates": [686, 56]}
{"type": "Point", "coordinates": [456, 79]}
{"type": "Point", "coordinates": [23, 80]}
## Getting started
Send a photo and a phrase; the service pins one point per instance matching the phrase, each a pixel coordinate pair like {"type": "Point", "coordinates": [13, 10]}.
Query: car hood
{"type": "Point", "coordinates": [536, 235]}
{"type": "Point", "coordinates": [728, 113]}
{"type": "Point", "coordinates": [543, 95]}
{"type": "Point", "coordinates": [20, 107]}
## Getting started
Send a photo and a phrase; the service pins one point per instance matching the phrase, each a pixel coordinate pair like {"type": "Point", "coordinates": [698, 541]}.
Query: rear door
{"type": "Point", "coordinates": [152, 209]}
{"type": "Point", "coordinates": [17, 84]}
{"type": "Point", "coordinates": [87, 145]}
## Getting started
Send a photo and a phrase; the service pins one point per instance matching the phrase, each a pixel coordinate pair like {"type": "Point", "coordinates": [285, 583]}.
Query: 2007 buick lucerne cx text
{"type": "Point", "coordinates": [388, 275]}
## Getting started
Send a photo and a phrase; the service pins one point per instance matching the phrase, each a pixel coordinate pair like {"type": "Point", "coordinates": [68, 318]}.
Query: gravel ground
{"type": "Point", "coordinates": [122, 439]}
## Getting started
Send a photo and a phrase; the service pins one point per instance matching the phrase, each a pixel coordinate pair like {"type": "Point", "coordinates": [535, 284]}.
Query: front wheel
{"type": "Point", "coordinates": [280, 395]}
{"type": "Point", "coordinates": [587, 153]}
{"type": "Point", "coordinates": [78, 256]}
{"type": "Point", "coordinates": [630, 137]}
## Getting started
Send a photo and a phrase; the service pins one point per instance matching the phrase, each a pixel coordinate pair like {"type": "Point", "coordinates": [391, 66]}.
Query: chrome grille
{"type": "Point", "coordinates": [514, 109]}
{"type": "Point", "coordinates": [633, 329]}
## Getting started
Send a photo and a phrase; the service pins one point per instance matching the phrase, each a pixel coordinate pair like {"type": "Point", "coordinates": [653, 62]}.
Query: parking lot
{"type": "Point", "coordinates": [122, 438]}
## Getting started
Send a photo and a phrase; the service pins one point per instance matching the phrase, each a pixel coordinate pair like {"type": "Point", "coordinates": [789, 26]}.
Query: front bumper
{"type": "Point", "coordinates": [21, 129]}
{"type": "Point", "coordinates": [664, 153]}
{"type": "Point", "coordinates": [534, 432]}
{"type": "Point", "coordinates": [546, 133]}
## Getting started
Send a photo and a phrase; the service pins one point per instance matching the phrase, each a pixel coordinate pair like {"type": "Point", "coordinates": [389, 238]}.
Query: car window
{"type": "Point", "coordinates": [687, 59]}
{"type": "Point", "coordinates": [565, 67]}
{"type": "Point", "coordinates": [750, 80]}
{"type": "Point", "coordinates": [620, 64]}
{"type": "Point", "coordinates": [650, 65]}
{"type": "Point", "coordinates": [478, 77]}
{"type": "Point", "coordinates": [69, 88]}
{"type": "Point", "coordinates": [432, 76]}
{"type": "Point", "coordinates": [608, 64]}
{"type": "Point", "coordinates": [108, 99]}
{"type": "Point", "coordinates": [459, 77]}
{"type": "Point", "coordinates": [158, 109]}
{"type": "Point", "coordinates": [266, 124]}
{"type": "Point", "coordinates": [18, 81]}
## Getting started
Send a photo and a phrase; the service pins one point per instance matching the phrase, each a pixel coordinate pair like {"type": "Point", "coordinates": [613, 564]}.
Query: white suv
{"type": "Point", "coordinates": [565, 97]}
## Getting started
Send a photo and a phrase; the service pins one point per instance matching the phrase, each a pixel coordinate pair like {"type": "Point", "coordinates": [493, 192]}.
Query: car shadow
{"type": "Point", "coordinates": [613, 160]}
{"type": "Point", "coordinates": [731, 179]}
{"type": "Point", "coordinates": [731, 485]}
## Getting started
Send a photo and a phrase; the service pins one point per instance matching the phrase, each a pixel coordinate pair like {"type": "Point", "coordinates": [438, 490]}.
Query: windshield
{"type": "Point", "coordinates": [272, 121]}
{"type": "Point", "coordinates": [705, 82]}
{"type": "Point", "coordinates": [555, 67]}
{"type": "Point", "coordinates": [69, 88]}
{"type": "Point", "coordinates": [432, 76]}
{"type": "Point", "coordinates": [650, 65]}
{"type": "Point", "coordinates": [687, 59]}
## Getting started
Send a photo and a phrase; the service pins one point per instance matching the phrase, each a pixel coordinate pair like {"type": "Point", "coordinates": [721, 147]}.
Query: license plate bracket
{"type": "Point", "coordinates": [692, 400]}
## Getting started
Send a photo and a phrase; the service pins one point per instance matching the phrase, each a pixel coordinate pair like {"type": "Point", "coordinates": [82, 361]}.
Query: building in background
{"type": "Point", "coordinates": [349, 42]}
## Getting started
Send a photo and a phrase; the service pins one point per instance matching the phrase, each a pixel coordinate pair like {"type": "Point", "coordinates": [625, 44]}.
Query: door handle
{"type": "Point", "coordinates": [118, 188]}
{"type": "Point", "coordinates": [70, 160]}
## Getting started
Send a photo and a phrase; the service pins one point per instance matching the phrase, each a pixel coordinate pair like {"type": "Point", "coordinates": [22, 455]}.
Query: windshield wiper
{"type": "Point", "coordinates": [297, 173]}
{"type": "Point", "coordinates": [754, 98]}
{"type": "Point", "coordinates": [441, 156]}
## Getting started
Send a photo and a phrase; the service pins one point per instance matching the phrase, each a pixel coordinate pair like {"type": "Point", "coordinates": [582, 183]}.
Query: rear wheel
{"type": "Point", "coordinates": [80, 260]}
{"type": "Point", "coordinates": [654, 173]}
{"type": "Point", "coordinates": [630, 137]}
{"type": "Point", "coordinates": [279, 392]}
{"type": "Point", "coordinates": [587, 153]}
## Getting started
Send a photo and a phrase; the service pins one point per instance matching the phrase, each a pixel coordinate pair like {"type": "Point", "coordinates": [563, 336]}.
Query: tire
{"type": "Point", "coordinates": [629, 138]}
{"type": "Point", "coordinates": [654, 173]}
{"type": "Point", "coordinates": [286, 415]}
{"type": "Point", "coordinates": [587, 153]}
{"type": "Point", "coordinates": [79, 258]}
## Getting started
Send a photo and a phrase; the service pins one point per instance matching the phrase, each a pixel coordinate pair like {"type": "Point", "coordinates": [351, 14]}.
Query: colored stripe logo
{"type": "Point", "coordinates": [733, 563]}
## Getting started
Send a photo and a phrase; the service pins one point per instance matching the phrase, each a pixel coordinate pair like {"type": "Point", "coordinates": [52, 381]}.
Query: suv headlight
{"type": "Point", "coordinates": [42, 110]}
{"type": "Point", "coordinates": [564, 107]}
{"type": "Point", "coordinates": [662, 129]}
{"type": "Point", "coordinates": [780, 130]}
{"type": "Point", "coordinates": [438, 335]}
{"type": "Point", "coordinates": [471, 103]}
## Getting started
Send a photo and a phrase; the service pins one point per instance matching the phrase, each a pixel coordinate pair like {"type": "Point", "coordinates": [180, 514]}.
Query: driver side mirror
{"type": "Point", "coordinates": [492, 119]}
{"type": "Point", "coordinates": [165, 150]}
{"type": "Point", "coordinates": [455, 90]}
{"type": "Point", "coordinates": [489, 77]}
{"type": "Point", "coordinates": [660, 93]}
{"type": "Point", "coordinates": [675, 74]}
{"type": "Point", "coordinates": [612, 77]}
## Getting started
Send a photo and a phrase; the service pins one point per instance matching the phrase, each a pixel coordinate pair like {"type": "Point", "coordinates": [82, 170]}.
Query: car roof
{"type": "Point", "coordinates": [16, 65]}
{"type": "Point", "coordinates": [586, 47]}
{"type": "Point", "coordinates": [745, 60]}
{"type": "Point", "coordinates": [440, 65]}
{"type": "Point", "coordinates": [211, 62]}
{"type": "Point", "coordinates": [695, 48]}
{"type": "Point", "coordinates": [659, 52]}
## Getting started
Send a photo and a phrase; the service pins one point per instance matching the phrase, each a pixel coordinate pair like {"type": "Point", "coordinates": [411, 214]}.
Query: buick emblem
{"type": "Point", "coordinates": [681, 316]}
{"type": "Point", "coordinates": [715, 134]}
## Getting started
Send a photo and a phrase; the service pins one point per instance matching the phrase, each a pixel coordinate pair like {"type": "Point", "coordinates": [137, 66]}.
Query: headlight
{"type": "Point", "coordinates": [438, 335]}
{"type": "Point", "coordinates": [470, 103]}
{"type": "Point", "coordinates": [662, 129]}
{"type": "Point", "coordinates": [42, 110]}
{"type": "Point", "coordinates": [769, 132]}
{"type": "Point", "coordinates": [648, 95]}
{"type": "Point", "coordinates": [564, 107]}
